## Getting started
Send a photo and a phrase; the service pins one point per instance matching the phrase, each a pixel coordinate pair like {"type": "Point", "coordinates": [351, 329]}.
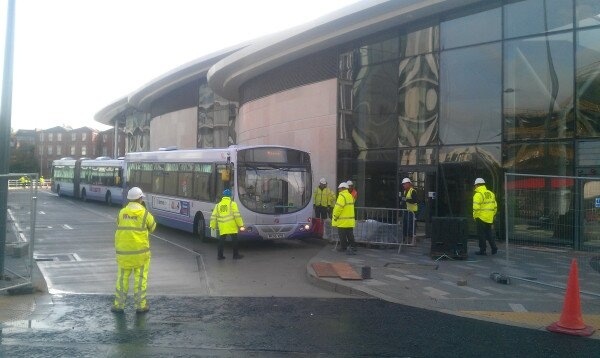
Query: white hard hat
{"type": "Point", "coordinates": [350, 183]}
{"type": "Point", "coordinates": [323, 181]}
{"type": "Point", "coordinates": [406, 180]}
{"type": "Point", "coordinates": [343, 185]}
{"type": "Point", "coordinates": [479, 181]}
{"type": "Point", "coordinates": [135, 193]}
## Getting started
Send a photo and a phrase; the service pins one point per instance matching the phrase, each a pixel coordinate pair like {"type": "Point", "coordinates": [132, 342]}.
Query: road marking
{"type": "Point", "coordinates": [470, 289]}
{"type": "Point", "coordinates": [400, 270]}
{"type": "Point", "coordinates": [399, 278]}
{"type": "Point", "coordinates": [65, 226]}
{"type": "Point", "coordinates": [435, 293]}
{"type": "Point", "coordinates": [42, 213]}
{"type": "Point", "coordinates": [517, 307]}
{"type": "Point", "coordinates": [494, 289]}
{"type": "Point", "coordinates": [417, 277]}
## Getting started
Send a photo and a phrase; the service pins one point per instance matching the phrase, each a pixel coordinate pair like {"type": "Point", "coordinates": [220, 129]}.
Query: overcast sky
{"type": "Point", "coordinates": [74, 57]}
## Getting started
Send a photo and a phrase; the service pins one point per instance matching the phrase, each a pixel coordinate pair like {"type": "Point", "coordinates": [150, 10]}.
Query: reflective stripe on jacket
{"type": "Point", "coordinates": [323, 197]}
{"type": "Point", "coordinates": [343, 212]}
{"type": "Point", "coordinates": [484, 204]}
{"type": "Point", "coordinates": [226, 216]}
{"type": "Point", "coordinates": [132, 242]}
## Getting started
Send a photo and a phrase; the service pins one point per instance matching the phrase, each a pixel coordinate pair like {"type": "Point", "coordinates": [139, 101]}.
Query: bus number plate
{"type": "Point", "coordinates": [275, 236]}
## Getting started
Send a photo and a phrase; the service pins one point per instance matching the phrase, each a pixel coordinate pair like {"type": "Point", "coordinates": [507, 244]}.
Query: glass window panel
{"type": "Point", "coordinates": [471, 95]}
{"type": "Point", "coordinates": [418, 95]}
{"type": "Point", "coordinates": [539, 158]}
{"type": "Point", "coordinates": [375, 93]}
{"type": "Point", "coordinates": [426, 156]}
{"type": "Point", "coordinates": [171, 178]}
{"type": "Point", "coordinates": [473, 29]}
{"type": "Point", "coordinates": [588, 83]}
{"type": "Point", "coordinates": [532, 17]}
{"type": "Point", "coordinates": [538, 92]}
{"type": "Point", "coordinates": [380, 49]}
{"type": "Point", "coordinates": [378, 178]}
{"type": "Point", "coordinates": [587, 12]}
{"type": "Point", "coordinates": [588, 153]}
{"type": "Point", "coordinates": [420, 41]}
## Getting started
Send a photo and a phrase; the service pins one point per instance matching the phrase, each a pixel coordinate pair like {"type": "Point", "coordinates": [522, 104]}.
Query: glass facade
{"type": "Point", "coordinates": [510, 87]}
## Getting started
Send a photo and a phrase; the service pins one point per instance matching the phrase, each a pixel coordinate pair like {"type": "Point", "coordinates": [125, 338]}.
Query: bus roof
{"type": "Point", "coordinates": [184, 155]}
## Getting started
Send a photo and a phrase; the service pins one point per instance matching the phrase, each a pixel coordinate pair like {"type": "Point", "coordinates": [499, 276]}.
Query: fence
{"type": "Point", "coordinates": [376, 226]}
{"type": "Point", "coordinates": [20, 234]}
{"type": "Point", "coordinates": [549, 221]}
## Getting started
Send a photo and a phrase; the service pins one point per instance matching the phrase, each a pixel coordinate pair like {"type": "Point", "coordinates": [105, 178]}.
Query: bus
{"type": "Point", "coordinates": [99, 179]}
{"type": "Point", "coordinates": [271, 184]}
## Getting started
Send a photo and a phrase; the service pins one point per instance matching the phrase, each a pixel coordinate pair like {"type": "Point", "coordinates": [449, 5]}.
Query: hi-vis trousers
{"type": "Point", "coordinates": [140, 280]}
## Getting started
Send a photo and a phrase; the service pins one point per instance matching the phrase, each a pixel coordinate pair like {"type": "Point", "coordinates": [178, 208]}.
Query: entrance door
{"type": "Point", "coordinates": [424, 179]}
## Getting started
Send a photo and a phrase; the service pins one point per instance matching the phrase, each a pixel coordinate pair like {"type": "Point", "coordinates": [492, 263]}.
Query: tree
{"type": "Point", "coordinates": [23, 160]}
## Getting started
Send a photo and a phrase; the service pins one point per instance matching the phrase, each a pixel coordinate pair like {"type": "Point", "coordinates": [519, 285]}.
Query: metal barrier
{"type": "Point", "coordinates": [551, 220]}
{"type": "Point", "coordinates": [20, 234]}
{"type": "Point", "coordinates": [16, 184]}
{"type": "Point", "coordinates": [376, 226]}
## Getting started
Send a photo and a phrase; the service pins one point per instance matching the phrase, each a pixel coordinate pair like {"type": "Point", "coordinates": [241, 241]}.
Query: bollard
{"type": "Point", "coordinates": [366, 272]}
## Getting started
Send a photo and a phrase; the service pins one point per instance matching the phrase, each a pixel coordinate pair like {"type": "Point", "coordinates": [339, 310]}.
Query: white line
{"type": "Point", "coordinates": [417, 277]}
{"type": "Point", "coordinates": [65, 226]}
{"type": "Point", "coordinates": [494, 289]}
{"type": "Point", "coordinates": [517, 307]}
{"type": "Point", "coordinates": [470, 289]}
{"type": "Point", "coordinates": [399, 278]}
{"type": "Point", "coordinates": [374, 282]}
{"type": "Point", "coordinates": [41, 212]}
{"type": "Point", "coordinates": [435, 293]}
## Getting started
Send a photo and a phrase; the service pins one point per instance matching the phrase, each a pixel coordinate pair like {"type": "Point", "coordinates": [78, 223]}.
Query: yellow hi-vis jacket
{"type": "Point", "coordinates": [411, 203]}
{"type": "Point", "coordinates": [324, 197]}
{"type": "Point", "coordinates": [484, 204]}
{"type": "Point", "coordinates": [343, 212]}
{"type": "Point", "coordinates": [132, 242]}
{"type": "Point", "coordinates": [226, 216]}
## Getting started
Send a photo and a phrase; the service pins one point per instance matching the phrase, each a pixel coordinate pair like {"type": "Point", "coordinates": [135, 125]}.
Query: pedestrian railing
{"type": "Point", "coordinates": [17, 268]}
{"type": "Point", "coordinates": [382, 226]}
{"type": "Point", "coordinates": [17, 184]}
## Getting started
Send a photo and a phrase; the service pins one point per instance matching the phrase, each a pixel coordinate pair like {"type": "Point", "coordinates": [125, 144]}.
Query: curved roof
{"type": "Point", "coordinates": [355, 21]}
{"type": "Point", "coordinates": [142, 98]}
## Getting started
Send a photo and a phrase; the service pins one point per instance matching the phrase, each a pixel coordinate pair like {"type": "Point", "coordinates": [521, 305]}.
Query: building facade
{"type": "Point", "coordinates": [442, 92]}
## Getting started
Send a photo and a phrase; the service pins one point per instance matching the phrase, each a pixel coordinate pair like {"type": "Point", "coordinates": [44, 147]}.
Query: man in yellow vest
{"type": "Point", "coordinates": [323, 199]}
{"type": "Point", "coordinates": [227, 218]}
{"type": "Point", "coordinates": [132, 245]}
{"type": "Point", "coordinates": [343, 219]}
{"type": "Point", "coordinates": [410, 203]}
{"type": "Point", "coordinates": [484, 210]}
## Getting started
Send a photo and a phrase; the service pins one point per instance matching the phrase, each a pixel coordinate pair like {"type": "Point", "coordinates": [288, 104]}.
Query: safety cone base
{"type": "Point", "coordinates": [583, 332]}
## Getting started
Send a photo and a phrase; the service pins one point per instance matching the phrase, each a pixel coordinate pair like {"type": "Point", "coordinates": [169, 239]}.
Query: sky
{"type": "Point", "coordinates": [72, 58]}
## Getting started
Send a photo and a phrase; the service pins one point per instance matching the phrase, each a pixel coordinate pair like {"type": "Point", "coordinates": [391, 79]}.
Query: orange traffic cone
{"type": "Point", "coordinates": [571, 321]}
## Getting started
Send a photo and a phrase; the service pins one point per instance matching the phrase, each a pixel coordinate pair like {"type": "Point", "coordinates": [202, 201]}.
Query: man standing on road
{"type": "Point", "coordinates": [227, 217]}
{"type": "Point", "coordinates": [484, 210]}
{"type": "Point", "coordinates": [343, 219]}
{"type": "Point", "coordinates": [132, 245]}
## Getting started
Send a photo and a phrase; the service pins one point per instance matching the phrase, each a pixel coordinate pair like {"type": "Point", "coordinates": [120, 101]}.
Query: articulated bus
{"type": "Point", "coordinates": [98, 179]}
{"type": "Point", "coordinates": [271, 184]}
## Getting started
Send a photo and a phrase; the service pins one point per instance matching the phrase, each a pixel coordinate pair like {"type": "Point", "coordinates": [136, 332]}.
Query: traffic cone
{"type": "Point", "coordinates": [571, 321]}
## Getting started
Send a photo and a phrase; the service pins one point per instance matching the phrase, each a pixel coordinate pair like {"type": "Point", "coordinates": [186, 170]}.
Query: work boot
{"type": "Point", "coordinates": [237, 256]}
{"type": "Point", "coordinates": [114, 309]}
{"type": "Point", "coordinates": [221, 257]}
{"type": "Point", "coordinates": [143, 310]}
{"type": "Point", "coordinates": [480, 253]}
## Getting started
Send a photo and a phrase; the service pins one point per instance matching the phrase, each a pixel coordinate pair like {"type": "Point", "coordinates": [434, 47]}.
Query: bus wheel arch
{"type": "Point", "coordinates": [200, 227]}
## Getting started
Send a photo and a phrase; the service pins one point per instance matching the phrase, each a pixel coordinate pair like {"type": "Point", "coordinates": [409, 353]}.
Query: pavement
{"type": "Point", "coordinates": [409, 277]}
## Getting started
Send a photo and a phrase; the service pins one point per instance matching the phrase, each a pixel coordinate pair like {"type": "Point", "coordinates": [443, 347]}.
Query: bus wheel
{"type": "Point", "coordinates": [200, 227]}
{"type": "Point", "coordinates": [108, 199]}
{"type": "Point", "coordinates": [83, 196]}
